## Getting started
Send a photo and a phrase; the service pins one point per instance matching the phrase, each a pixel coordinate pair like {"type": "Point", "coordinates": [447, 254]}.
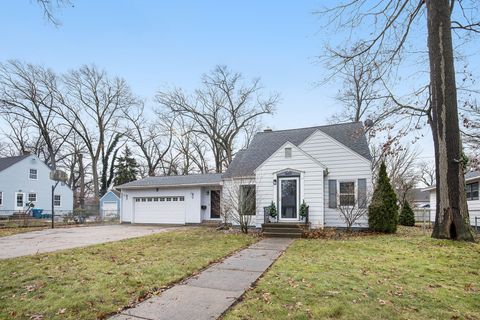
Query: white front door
{"type": "Point", "coordinates": [19, 201]}
{"type": "Point", "coordinates": [288, 198]}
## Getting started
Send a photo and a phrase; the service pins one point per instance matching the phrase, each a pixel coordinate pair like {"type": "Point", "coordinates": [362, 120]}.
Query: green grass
{"type": "Point", "coordinates": [403, 276]}
{"type": "Point", "coordinates": [92, 282]}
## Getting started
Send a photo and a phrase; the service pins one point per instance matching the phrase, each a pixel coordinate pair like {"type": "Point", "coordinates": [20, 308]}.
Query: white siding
{"type": "Point", "coordinates": [192, 201]}
{"type": "Point", "coordinates": [473, 208]}
{"type": "Point", "coordinates": [342, 164]}
{"type": "Point", "coordinates": [311, 182]}
{"type": "Point", "coordinates": [230, 192]}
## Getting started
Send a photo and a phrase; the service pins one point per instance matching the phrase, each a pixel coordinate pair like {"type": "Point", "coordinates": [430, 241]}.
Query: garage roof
{"type": "Point", "coordinates": [173, 181]}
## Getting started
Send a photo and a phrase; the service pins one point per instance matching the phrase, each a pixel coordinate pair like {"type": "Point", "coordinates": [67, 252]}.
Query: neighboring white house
{"type": "Point", "coordinates": [25, 179]}
{"type": "Point", "coordinates": [472, 181]}
{"type": "Point", "coordinates": [325, 166]}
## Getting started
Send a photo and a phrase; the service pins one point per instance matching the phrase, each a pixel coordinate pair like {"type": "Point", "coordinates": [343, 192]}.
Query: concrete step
{"type": "Point", "coordinates": [285, 225]}
{"type": "Point", "coordinates": [283, 230]}
{"type": "Point", "coordinates": [281, 235]}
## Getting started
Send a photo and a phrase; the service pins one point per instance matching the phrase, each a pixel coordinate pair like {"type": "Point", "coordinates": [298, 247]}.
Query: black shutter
{"type": "Point", "coordinates": [332, 193]}
{"type": "Point", "coordinates": [362, 193]}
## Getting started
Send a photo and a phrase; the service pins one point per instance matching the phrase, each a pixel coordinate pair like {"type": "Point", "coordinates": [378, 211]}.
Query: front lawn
{"type": "Point", "coordinates": [403, 276]}
{"type": "Point", "coordinates": [92, 282]}
{"type": "Point", "coordinates": [4, 232]}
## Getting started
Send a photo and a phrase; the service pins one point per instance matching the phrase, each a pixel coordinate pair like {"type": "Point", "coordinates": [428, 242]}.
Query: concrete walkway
{"type": "Point", "coordinates": [210, 293]}
{"type": "Point", "coordinates": [50, 240]}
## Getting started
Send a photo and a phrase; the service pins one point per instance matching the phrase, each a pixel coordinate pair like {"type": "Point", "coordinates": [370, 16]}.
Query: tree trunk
{"type": "Point", "coordinates": [96, 182]}
{"type": "Point", "coordinates": [81, 172]}
{"type": "Point", "coordinates": [452, 220]}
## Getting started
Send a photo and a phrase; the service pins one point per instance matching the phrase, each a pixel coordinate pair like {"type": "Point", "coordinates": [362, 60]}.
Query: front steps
{"type": "Point", "coordinates": [283, 230]}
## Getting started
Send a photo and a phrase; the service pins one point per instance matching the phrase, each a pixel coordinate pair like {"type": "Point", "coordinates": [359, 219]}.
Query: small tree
{"type": "Point", "coordinates": [272, 210]}
{"type": "Point", "coordinates": [407, 217]}
{"type": "Point", "coordinates": [383, 209]}
{"type": "Point", "coordinates": [352, 213]}
{"type": "Point", "coordinates": [239, 204]}
{"type": "Point", "coordinates": [126, 168]}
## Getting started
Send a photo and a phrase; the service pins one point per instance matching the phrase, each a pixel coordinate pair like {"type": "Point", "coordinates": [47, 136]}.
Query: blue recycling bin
{"type": "Point", "coordinates": [37, 213]}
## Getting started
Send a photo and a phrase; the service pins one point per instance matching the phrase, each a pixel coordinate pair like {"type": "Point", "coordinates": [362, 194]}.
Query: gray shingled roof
{"type": "Point", "coordinates": [264, 144]}
{"type": "Point", "coordinates": [472, 174]}
{"type": "Point", "coordinates": [164, 181]}
{"type": "Point", "coordinates": [7, 162]}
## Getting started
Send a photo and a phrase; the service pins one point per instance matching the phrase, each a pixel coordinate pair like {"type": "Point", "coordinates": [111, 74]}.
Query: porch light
{"type": "Point", "coordinates": [274, 182]}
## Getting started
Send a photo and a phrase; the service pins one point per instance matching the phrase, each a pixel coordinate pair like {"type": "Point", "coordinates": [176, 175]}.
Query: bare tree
{"type": "Point", "coordinates": [223, 109]}
{"type": "Point", "coordinates": [49, 6]}
{"type": "Point", "coordinates": [391, 23]}
{"type": "Point", "coordinates": [153, 138]}
{"type": "Point", "coordinates": [27, 101]}
{"type": "Point", "coordinates": [239, 203]}
{"type": "Point", "coordinates": [93, 105]}
{"type": "Point", "coordinates": [351, 211]}
{"type": "Point", "coordinates": [426, 173]}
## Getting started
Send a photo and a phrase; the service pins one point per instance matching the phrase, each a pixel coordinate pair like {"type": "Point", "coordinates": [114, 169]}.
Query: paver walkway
{"type": "Point", "coordinates": [208, 294]}
{"type": "Point", "coordinates": [50, 240]}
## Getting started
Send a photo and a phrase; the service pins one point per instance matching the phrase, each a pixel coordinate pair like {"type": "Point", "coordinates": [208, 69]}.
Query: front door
{"type": "Point", "coordinates": [214, 204]}
{"type": "Point", "coordinates": [288, 198]}
{"type": "Point", "coordinates": [19, 201]}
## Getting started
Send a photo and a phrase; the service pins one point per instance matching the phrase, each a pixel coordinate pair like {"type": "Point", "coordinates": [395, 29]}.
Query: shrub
{"type": "Point", "coordinates": [407, 217]}
{"type": "Point", "coordinates": [383, 209]}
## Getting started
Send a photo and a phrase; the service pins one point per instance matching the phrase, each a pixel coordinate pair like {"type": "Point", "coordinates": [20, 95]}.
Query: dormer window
{"type": "Point", "coordinates": [288, 152]}
{"type": "Point", "coordinates": [33, 174]}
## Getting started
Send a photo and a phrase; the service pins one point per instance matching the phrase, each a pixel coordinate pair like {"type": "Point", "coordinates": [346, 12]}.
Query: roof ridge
{"type": "Point", "coordinates": [311, 127]}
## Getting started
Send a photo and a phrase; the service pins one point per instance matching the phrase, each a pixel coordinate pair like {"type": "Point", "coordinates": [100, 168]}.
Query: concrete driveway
{"type": "Point", "coordinates": [50, 240]}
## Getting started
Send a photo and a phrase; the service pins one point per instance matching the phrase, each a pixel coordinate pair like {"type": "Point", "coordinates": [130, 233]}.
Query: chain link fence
{"type": "Point", "coordinates": [34, 218]}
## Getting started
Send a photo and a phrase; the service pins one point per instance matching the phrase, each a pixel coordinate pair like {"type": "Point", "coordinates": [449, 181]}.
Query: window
{"type": "Point", "coordinates": [247, 199]}
{"type": "Point", "coordinates": [32, 197]}
{"type": "Point", "coordinates": [162, 199]}
{"type": "Point", "coordinates": [472, 191]}
{"type": "Point", "coordinates": [137, 200]}
{"type": "Point", "coordinates": [33, 174]}
{"type": "Point", "coordinates": [57, 200]}
{"type": "Point", "coordinates": [288, 152]}
{"type": "Point", "coordinates": [347, 193]}
{"type": "Point", "coordinates": [175, 199]}
{"type": "Point", "coordinates": [1, 198]}
{"type": "Point", "coordinates": [181, 198]}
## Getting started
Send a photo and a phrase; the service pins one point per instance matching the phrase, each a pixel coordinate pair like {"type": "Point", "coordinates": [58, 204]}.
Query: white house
{"type": "Point", "coordinates": [472, 181]}
{"type": "Point", "coordinates": [25, 179]}
{"type": "Point", "coordinates": [325, 167]}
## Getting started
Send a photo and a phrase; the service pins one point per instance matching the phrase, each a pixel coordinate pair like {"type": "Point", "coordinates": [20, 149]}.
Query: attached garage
{"type": "Point", "coordinates": [161, 210]}
{"type": "Point", "coordinates": [171, 199]}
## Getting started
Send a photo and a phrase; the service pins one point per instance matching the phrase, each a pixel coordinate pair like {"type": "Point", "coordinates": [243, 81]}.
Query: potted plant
{"type": "Point", "coordinates": [304, 211]}
{"type": "Point", "coordinates": [272, 211]}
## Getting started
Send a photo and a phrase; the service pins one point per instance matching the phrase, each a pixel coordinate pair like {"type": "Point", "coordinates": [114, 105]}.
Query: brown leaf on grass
{"type": "Point", "coordinates": [266, 297]}
{"type": "Point", "coordinates": [470, 287]}
{"type": "Point", "coordinates": [62, 311]}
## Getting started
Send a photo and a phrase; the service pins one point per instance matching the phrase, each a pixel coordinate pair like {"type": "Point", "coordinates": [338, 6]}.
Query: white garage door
{"type": "Point", "coordinates": [167, 210]}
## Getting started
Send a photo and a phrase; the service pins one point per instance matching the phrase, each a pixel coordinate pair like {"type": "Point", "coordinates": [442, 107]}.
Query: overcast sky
{"type": "Point", "coordinates": [157, 44]}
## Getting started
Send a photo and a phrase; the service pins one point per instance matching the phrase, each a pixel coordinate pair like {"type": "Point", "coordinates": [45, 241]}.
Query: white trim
{"type": "Point", "coordinates": [338, 143]}
{"type": "Point", "coordinates": [108, 193]}
{"type": "Point", "coordinates": [30, 174]}
{"type": "Point", "coordinates": [171, 186]}
{"type": "Point", "coordinates": [16, 202]}
{"type": "Point", "coordinates": [289, 169]}
{"type": "Point", "coordinates": [28, 197]}
{"type": "Point", "coordinates": [355, 191]}
{"type": "Point", "coordinates": [296, 148]}
{"type": "Point", "coordinates": [279, 188]}
{"type": "Point", "coordinates": [55, 195]}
